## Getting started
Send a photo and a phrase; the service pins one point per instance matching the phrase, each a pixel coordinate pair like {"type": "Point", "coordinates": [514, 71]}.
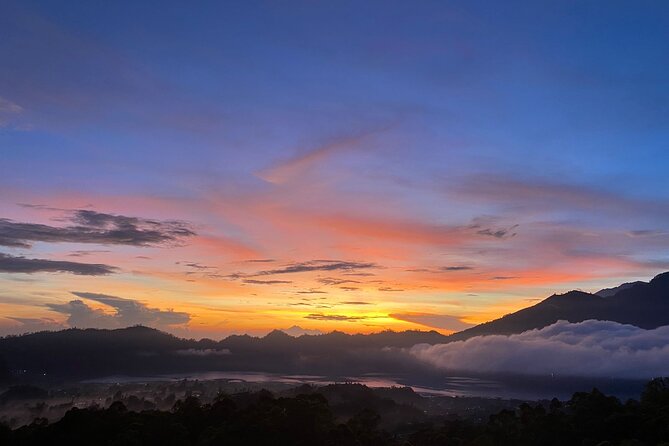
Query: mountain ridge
{"type": "Point", "coordinates": [83, 353]}
{"type": "Point", "coordinates": [643, 304]}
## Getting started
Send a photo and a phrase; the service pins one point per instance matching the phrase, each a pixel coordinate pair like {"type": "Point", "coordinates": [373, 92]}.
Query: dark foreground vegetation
{"type": "Point", "coordinates": [309, 419]}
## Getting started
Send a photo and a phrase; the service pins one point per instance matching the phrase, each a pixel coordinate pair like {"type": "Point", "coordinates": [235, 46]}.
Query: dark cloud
{"type": "Point", "coordinates": [84, 253]}
{"type": "Point", "coordinates": [266, 282]}
{"type": "Point", "coordinates": [441, 269]}
{"type": "Point", "coordinates": [590, 348]}
{"type": "Point", "coordinates": [349, 288]}
{"type": "Point", "coordinates": [355, 302]}
{"type": "Point", "coordinates": [195, 265]}
{"type": "Point", "coordinates": [309, 304]}
{"type": "Point", "coordinates": [127, 312]}
{"type": "Point", "coordinates": [94, 227]}
{"type": "Point", "coordinates": [498, 233]}
{"type": "Point", "coordinates": [334, 317]}
{"type": "Point", "coordinates": [387, 288]}
{"type": "Point", "coordinates": [317, 265]}
{"type": "Point", "coordinates": [16, 264]}
{"type": "Point", "coordinates": [336, 281]}
{"type": "Point", "coordinates": [456, 268]}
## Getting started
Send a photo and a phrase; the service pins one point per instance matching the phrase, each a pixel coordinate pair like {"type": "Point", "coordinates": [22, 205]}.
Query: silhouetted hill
{"type": "Point", "coordinates": [644, 304]}
{"type": "Point", "coordinates": [92, 352]}
{"type": "Point", "coordinates": [77, 354]}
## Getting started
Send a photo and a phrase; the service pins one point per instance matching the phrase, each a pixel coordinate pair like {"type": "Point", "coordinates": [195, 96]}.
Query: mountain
{"type": "Point", "coordinates": [142, 351]}
{"type": "Point", "coordinates": [608, 292]}
{"type": "Point", "coordinates": [644, 304]}
{"type": "Point", "coordinates": [93, 352]}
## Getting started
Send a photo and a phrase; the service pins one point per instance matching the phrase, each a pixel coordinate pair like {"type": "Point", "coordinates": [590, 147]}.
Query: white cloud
{"type": "Point", "coordinates": [591, 348]}
{"type": "Point", "coordinates": [127, 312]}
{"type": "Point", "coordinates": [81, 315]}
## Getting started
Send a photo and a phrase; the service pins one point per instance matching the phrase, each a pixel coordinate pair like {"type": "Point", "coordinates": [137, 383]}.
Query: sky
{"type": "Point", "coordinates": [241, 166]}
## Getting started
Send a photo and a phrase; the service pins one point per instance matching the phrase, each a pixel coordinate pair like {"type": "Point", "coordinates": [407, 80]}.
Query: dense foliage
{"type": "Point", "coordinates": [587, 419]}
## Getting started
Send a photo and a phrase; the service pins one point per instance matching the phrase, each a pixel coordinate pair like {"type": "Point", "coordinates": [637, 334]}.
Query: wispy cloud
{"type": "Point", "coordinates": [334, 317]}
{"type": "Point", "coordinates": [524, 195]}
{"type": "Point", "coordinates": [335, 281]}
{"type": "Point", "coordinates": [8, 112]}
{"type": "Point", "coordinates": [311, 291]}
{"type": "Point", "coordinates": [317, 265]}
{"type": "Point", "coordinates": [389, 289]}
{"type": "Point", "coordinates": [298, 165]}
{"type": "Point", "coordinates": [411, 231]}
{"type": "Point", "coordinates": [266, 282]}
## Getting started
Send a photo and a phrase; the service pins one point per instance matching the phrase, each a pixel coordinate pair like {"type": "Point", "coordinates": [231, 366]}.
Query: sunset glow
{"type": "Point", "coordinates": [241, 168]}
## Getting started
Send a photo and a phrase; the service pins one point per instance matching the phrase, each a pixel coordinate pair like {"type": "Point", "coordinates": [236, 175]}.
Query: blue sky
{"type": "Point", "coordinates": [294, 129]}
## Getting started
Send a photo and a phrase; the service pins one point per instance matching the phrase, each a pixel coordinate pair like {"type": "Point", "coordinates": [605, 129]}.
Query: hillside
{"type": "Point", "coordinates": [643, 304]}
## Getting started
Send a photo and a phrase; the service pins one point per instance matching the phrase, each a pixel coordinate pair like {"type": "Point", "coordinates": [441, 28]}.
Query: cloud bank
{"type": "Point", "coordinates": [586, 349]}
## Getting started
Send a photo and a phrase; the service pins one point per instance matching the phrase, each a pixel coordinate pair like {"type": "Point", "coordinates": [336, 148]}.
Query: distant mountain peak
{"type": "Point", "coordinates": [276, 334]}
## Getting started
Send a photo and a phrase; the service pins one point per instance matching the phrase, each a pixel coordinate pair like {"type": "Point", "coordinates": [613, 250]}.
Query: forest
{"type": "Point", "coordinates": [307, 418]}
